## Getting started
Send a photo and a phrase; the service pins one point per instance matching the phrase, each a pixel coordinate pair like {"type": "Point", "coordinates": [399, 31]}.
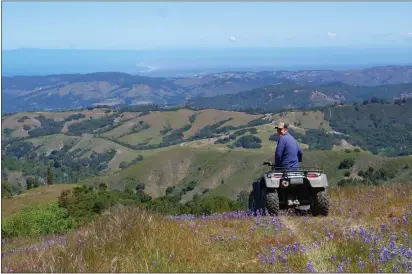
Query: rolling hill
{"type": "Point", "coordinates": [74, 91]}
{"type": "Point", "coordinates": [229, 172]}
{"type": "Point", "coordinates": [220, 150]}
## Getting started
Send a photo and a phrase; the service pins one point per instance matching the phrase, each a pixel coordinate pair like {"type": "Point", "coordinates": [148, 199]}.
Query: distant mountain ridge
{"type": "Point", "coordinates": [72, 91]}
{"type": "Point", "coordinates": [292, 96]}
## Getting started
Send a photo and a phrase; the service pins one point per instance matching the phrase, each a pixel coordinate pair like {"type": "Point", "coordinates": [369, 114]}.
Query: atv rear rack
{"type": "Point", "coordinates": [300, 169]}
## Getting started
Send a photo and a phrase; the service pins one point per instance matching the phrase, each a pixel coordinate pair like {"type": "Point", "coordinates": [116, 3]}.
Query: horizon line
{"type": "Point", "coordinates": [216, 48]}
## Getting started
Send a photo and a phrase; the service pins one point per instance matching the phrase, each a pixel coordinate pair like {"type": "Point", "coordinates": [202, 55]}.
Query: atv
{"type": "Point", "coordinates": [282, 189]}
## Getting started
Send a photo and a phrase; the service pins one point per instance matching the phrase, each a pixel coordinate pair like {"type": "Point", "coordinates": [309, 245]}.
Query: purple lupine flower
{"type": "Point", "coordinates": [393, 254]}
{"type": "Point", "coordinates": [409, 254]}
{"type": "Point", "coordinates": [341, 267]}
{"type": "Point", "coordinates": [263, 259]}
{"type": "Point", "coordinates": [403, 264]}
{"type": "Point", "coordinates": [330, 235]}
{"type": "Point", "coordinates": [287, 249]}
{"type": "Point", "coordinates": [395, 268]}
{"type": "Point", "coordinates": [310, 267]}
{"type": "Point", "coordinates": [405, 235]}
{"type": "Point", "coordinates": [361, 264]}
{"type": "Point", "coordinates": [384, 256]}
{"type": "Point", "coordinates": [295, 247]}
{"type": "Point", "coordinates": [405, 222]}
{"type": "Point", "coordinates": [273, 258]}
{"type": "Point", "coordinates": [371, 254]}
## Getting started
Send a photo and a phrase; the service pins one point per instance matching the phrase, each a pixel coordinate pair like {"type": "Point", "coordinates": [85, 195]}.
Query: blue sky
{"type": "Point", "coordinates": [139, 25]}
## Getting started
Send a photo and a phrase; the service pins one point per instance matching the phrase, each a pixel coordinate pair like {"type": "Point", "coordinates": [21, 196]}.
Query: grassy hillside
{"type": "Point", "coordinates": [384, 129]}
{"type": "Point", "coordinates": [227, 172]}
{"type": "Point", "coordinates": [37, 196]}
{"type": "Point", "coordinates": [367, 231]}
{"type": "Point", "coordinates": [171, 146]}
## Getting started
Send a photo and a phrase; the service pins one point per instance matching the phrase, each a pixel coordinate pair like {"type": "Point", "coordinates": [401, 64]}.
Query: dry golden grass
{"type": "Point", "coordinates": [211, 116]}
{"type": "Point", "coordinates": [308, 119]}
{"type": "Point", "coordinates": [128, 239]}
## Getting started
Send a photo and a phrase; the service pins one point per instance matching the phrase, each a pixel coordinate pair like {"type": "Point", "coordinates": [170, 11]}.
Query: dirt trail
{"type": "Point", "coordinates": [301, 227]}
{"type": "Point", "coordinates": [314, 253]}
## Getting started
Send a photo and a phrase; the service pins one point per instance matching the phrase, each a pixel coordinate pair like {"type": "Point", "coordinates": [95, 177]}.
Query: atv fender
{"type": "Point", "coordinates": [271, 182]}
{"type": "Point", "coordinates": [321, 181]}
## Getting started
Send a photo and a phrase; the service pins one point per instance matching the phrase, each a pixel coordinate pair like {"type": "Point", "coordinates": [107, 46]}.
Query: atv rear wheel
{"type": "Point", "coordinates": [272, 202]}
{"type": "Point", "coordinates": [320, 204]}
{"type": "Point", "coordinates": [252, 202]}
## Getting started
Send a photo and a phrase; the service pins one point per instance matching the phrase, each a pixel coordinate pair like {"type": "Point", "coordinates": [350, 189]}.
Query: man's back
{"type": "Point", "coordinates": [288, 153]}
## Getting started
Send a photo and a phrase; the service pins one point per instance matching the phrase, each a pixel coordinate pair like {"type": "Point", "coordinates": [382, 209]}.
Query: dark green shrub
{"type": "Point", "coordinates": [26, 127]}
{"type": "Point", "coordinates": [346, 163]}
{"type": "Point", "coordinates": [248, 141]}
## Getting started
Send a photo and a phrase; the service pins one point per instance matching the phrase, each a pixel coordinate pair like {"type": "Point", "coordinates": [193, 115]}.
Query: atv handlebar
{"type": "Point", "coordinates": [268, 164]}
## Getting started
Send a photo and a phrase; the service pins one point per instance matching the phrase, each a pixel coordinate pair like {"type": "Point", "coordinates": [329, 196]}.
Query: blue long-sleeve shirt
{"type": "Point", "coordinates": [288, 154]}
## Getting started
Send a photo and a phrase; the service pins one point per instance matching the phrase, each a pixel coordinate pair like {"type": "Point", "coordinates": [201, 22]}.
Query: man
{"type": "Point", "coordinates": [288, 153]}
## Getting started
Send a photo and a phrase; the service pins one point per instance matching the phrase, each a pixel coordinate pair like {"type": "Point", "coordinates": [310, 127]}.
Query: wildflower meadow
{"type": "Point", "coordinates": [368, 230]}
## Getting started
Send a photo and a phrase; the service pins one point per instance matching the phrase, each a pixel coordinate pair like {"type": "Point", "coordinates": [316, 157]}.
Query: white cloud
{"type": "Point", "coordinates": [331, 34]}
{"type": "Point", "coordinates": [406, 34]}
{"type": "Point", "coordinates": [162, 12]}
{"type": "Point", "coordinates": [232, 38]}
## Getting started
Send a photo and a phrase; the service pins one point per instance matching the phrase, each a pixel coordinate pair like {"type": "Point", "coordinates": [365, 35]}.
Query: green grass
{"type": "Point", "coordinates": [175, 166]}
{"type": "Point", "coordinates": [38, 220]}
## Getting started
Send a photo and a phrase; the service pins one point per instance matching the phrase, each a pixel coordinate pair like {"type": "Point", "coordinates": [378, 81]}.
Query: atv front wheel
{"type": "Point", "coordinates": [321, 204]}
{"type": "Point", "coordinates": [272, 202]}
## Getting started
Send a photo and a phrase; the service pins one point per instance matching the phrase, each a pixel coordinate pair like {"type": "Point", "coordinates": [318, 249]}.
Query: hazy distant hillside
{"type": "Point", "coordinates": [285, 96]}
{"type": "Point", "coordinates": [64, 92]}
{"type": "Point", "coordinates": [72, 91]}
{"type": "Point", "coordinates": [375, 76]}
